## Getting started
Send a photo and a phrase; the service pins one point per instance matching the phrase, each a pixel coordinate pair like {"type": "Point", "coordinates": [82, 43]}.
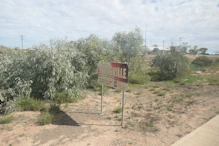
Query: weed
{"type": "Point", "coordinates": [169, 107]}
{"type": "Point", "coordinates": [30, 104]}
{"type": "Point", "coordinates": [182, 83]}
{"type": "Point", "coordinates": [177, 80]}
{"type": "Point", "coordinates": [126, 126]}
{"type": "Point", "coordinates": [152, 89]}
{"type": "Point", "coordinates": [129, 90]}
{"type": "Point", "coordinates": [156, 92]}
{"type": "Point", "coordinates": [6, 120]}
{"type": "Point", "coordinates": [166, 89]}
{"type": "Point", "coordinates": [138, 78]}
{"type": "Point", "coordinates": [161, 94]}
{"type": "Point", "coordinates": [193, 79]}
{"type": "Point", "coordinates": [116, 131]}
{"type": "Point", "coordinates": [145, 87]}
{"type": "Point", "coordinates": [140, 106]}
{"type": "Point", "coordinates": [64, 97]}
{"type": "Point", "coordinates": [119, 119]}
{"type": "Point", "coordinates": [213, 80]}
{"type": "Point", "coordinates": [118, 90]}
{"type": "Point", "coordinates": [138, 93]}
{"type": "Point", "coordinates": [149, 123]}
{"type": "Point", "coordinates": [156, 86]}
{"type": "Point", "coordinates": [156, 100]}
{"type": "Point", "coordinates": [189, 95]}
{"type": "Point", "coordinates": [108, 118]}
{"type": "Point", "coordinates": [133, 107]}
{"type": "Point", "coordinates": [54, 109]}
{"type": "Point", "coordinates": [116, 116]}
{"type": "Point", "coordinates": [118, 110]}
{"type": "Point", "coordinates": [45, 118]}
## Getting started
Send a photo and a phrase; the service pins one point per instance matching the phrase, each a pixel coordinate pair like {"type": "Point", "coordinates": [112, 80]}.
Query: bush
{"type": "Point", "coordinates": [43, 72]}
{"type": "Point", "coordinates": [171, 66]}
{"type": "Point", "coordinates": [202, 61]}
{"type": "Point", "coordinates": [63, 97]}
{"type": "Point", "coordinates": [54, 109]}
{"type": "Point", "coordinates": [45, 118]}
{"type": "Point", "coordinates": [30, 104]}
{"type": "Point", "coordinates": [138, 78]}
{"type": "Point", "coordinates": [6, 120]}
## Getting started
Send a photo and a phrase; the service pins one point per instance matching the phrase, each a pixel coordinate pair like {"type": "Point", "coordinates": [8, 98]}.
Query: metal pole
{"type": "Point", "coordinates": [123, 98]}
{"type": "Point", "coordinates": [145, 34]}
{"type": "Point", "coordinates": [22, 37]}
{"type": "Point", "coordinates": [102, 99]}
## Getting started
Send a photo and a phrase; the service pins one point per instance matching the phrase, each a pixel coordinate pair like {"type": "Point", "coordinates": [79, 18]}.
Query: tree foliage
{"type": "Point", "coordinates": [43, 72]}
{"type": "Point", "coordinates": [129, 44]}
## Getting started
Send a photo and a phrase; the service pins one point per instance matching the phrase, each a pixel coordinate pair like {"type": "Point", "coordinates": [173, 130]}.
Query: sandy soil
{"type": "Point", "coordinates": [150, 119]}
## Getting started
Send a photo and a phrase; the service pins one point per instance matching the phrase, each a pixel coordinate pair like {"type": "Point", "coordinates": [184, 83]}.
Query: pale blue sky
{"type": "Point", "coordinates": [195, 21]}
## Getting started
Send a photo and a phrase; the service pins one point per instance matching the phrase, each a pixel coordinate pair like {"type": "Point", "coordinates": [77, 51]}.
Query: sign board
{"type": "Point", "coordinates": [113, 74]}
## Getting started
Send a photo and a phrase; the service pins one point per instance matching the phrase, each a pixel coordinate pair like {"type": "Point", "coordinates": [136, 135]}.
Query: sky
{"type": "Point", "coordinates": [194, 21]}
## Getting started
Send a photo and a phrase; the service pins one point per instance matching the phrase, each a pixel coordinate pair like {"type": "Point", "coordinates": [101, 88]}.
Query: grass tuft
{"type": "Point", "coordinates": [6, 120]}
{"type": "Point", "coordinates": [45, 118]}
{"type": "Point", "coordinates": [118, 110]}
{"type": "Point", "coordinates": [30, 104]}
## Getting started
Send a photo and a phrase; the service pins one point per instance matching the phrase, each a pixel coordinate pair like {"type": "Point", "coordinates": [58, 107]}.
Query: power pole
{"type": "Point", "coordinates": [163, 44]}
{"type": "Point", "coordinates": [22, 37]}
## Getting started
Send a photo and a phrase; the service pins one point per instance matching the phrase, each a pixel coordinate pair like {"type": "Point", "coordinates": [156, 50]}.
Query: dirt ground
{"type": "Point", "coordinates": [155, 115]}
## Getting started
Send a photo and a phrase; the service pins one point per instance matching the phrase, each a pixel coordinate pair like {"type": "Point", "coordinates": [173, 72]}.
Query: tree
{"type": "Point", "coordinates": [129, 44]}
{"type": "Point", "coordinates": [194, 51]}
{"type": "Point", "coordinates": [203, 50]}
{"type": "Point", "coordinates": [155, 50]}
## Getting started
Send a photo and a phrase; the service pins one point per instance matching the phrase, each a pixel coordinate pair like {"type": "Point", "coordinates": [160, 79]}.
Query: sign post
{"type": "Point", "coordinates": [114, 75]}
{"type": "Point", "coordinates": [123, 99]}
{"type": "Point", "coordinates": [102, 99]}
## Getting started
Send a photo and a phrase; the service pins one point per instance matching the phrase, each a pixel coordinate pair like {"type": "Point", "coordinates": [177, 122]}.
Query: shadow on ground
{"type": "Point", "coordinates": [63, 119]}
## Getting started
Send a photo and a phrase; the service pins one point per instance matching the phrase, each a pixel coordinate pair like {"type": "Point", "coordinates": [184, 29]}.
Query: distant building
{"type": "Point", "coordinates": [158, 50]}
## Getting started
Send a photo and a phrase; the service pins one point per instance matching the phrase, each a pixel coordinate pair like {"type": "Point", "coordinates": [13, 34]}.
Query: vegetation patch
{"type": "Point", "coordinates": [45, 118]}
{"type": "Point", "coordinates": [138, 78]}
{"type": "Point", "coordinates": [149, 123]}
{"type": "Point", "coordinates": [202, 61]}
{"type": "Point", "coordinates": [6, 119]}
{"type": "Point", "coordinates": [171, 66]}
{"type": "Point", "coordinates": [30, 104]}
{"type": "Point", "coordinates": [64, 97]}
{"type": "Point", "coordinates": [118, 110]}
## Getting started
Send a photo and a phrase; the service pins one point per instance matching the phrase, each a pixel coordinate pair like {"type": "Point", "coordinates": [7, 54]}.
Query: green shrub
{"type": "Point", "coordinates": [63, 97]}
{"type": "Point", "coordinates": [54, 109]}
{"type": "Point", "coordinates": [6, 120]}
{"type": "Point", "coordinates": [213, 80]}
{"type": "Point", "coordinates": [171, 66]}
{"type": "Point", "coordinates": [202, 61]}
{"type": "Point", "coordinates": [138, 78]}
{"type": "Point", "coordinates": [30, 104]}
{"type": "Point", "coordinates": [45, 118]}
{"type": "Point", "coordinates": [118, 110]}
